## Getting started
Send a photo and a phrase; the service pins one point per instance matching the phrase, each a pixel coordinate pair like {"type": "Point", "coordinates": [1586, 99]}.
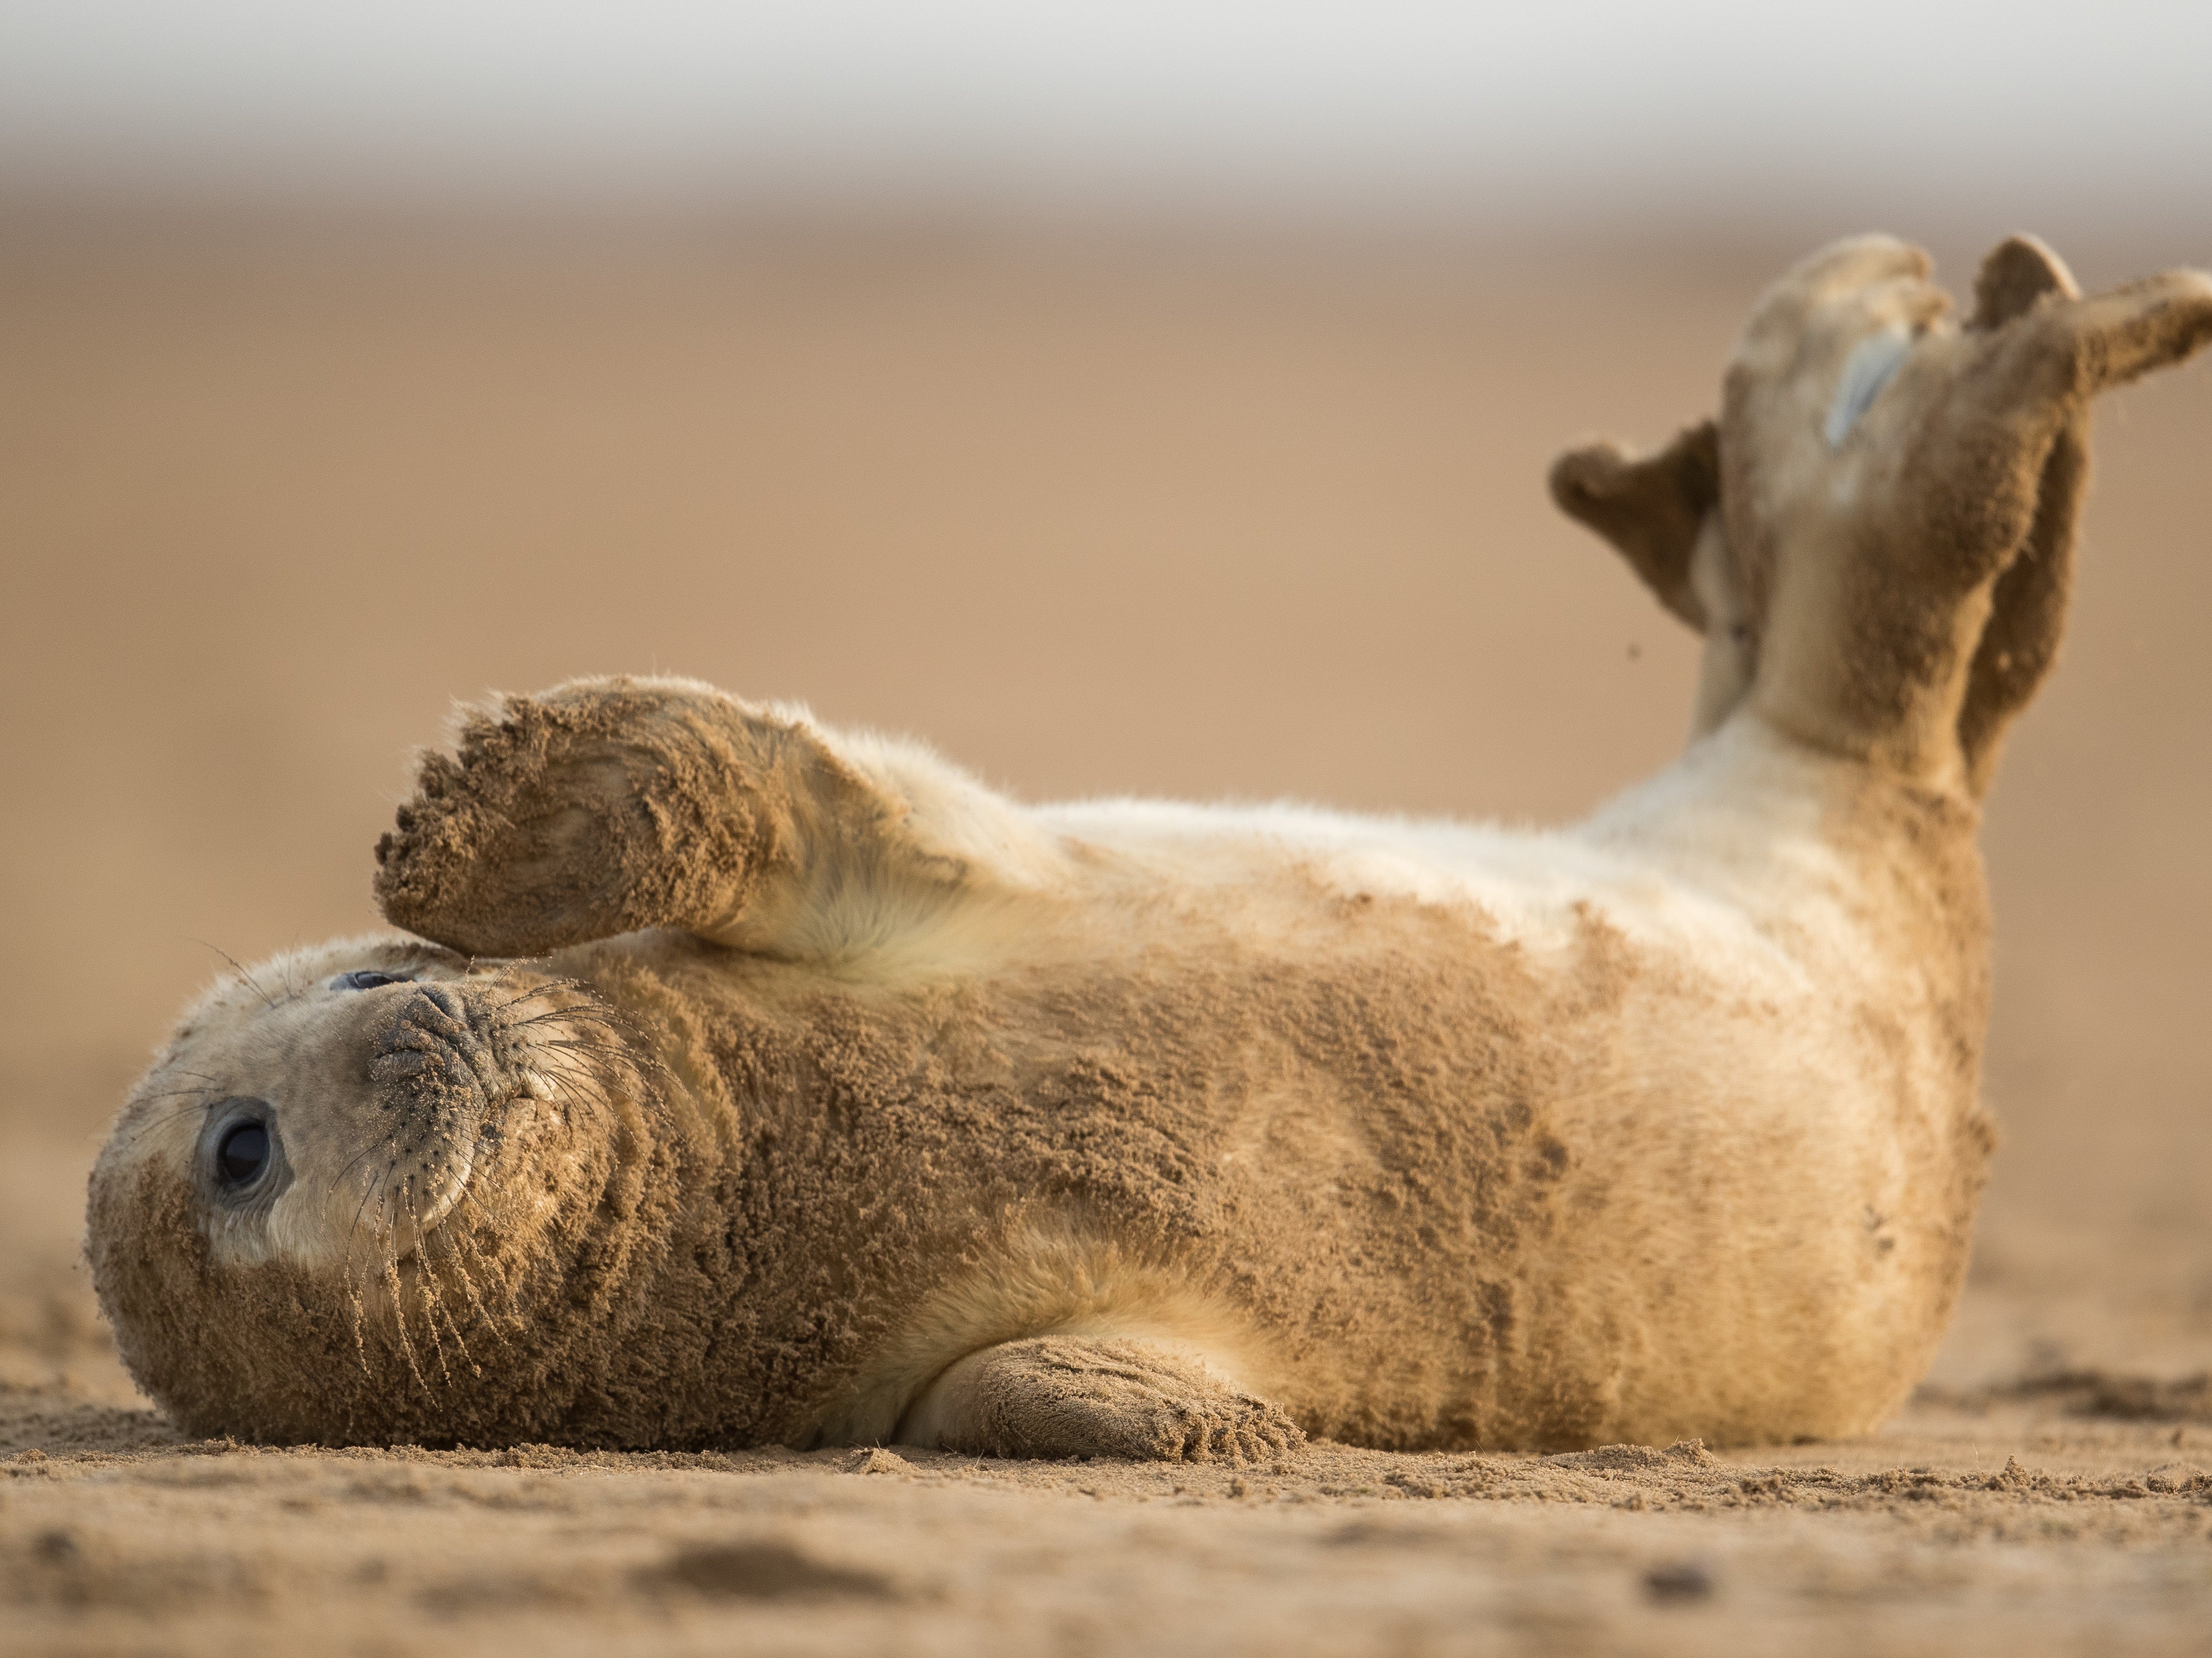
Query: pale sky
{"type": "Point", "coordinates": [1356, 103]}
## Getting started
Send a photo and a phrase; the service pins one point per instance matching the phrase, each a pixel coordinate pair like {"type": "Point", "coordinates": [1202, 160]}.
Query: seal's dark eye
{"type": "Point", "coordinates": [366, 980]}
{"type": "Point", "coordinates": [243, 1154]}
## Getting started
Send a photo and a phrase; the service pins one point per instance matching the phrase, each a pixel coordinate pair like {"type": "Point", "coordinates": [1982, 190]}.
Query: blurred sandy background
{"type": "Point", "coordinates": [1150, 458]}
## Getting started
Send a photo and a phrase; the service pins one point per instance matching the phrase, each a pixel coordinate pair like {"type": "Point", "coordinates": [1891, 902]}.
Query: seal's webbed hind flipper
{"type": "Point", "coordinates": [1060, 1396]}
{"type": "Point", "coordinates": [1875, 537]}
{"type": "Point", "coordinates": [1652, 508]}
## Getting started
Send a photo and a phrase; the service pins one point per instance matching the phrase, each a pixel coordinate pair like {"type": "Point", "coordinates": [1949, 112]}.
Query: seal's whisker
{"type": "Point", "coordinates": [553, 1065]}
{"type": "Point", "coordinates": [399, 1318]}
{"type": "Point", "coordinates": [505, 1281]}
{"type": "Point", "coordinates": [605, 1013]}
{"type": "Point", "coordinates": [596, 1049]}
{"type": "Point", "coordinates": [646, 1064]}
{"type": "Point", "coordinates": [360, 1319]}
{"type": "Point", "coordinates": [170, 1113]}
{"type": "Point", "coordinates": [454, 1246]}
{"type": "Point", "coordinates": [250, 982]}
{"type": "Point", "coordinates": [563, 1071]}
{"type": "Point", "coordinates": [573, 1093]}
{"type": "Point", "coordinates": [547, 989]}
{"type": "Point", "coordinates": [569, 1089]}
{"type": "Point", "coordinates": [593, 1008]}
{"type": "Point", "coordinates": [596, 1008]}
{"type": "Point", "coordinates": [584, 1044]}
{"type": "Point", "coordinates": [332, 1187]}
{"type": "Point", "coordinates": [589, 1015]}
{"type": "Point", "coordinates": [626, 1036]}
{"type": "Point", "coordinates": [447, 1258]}
{"type": "Point", "coordinates": [377, 1188]}
{"type": "Point", "coordinates": [163, 1119]}
{"type": "Point", "coordinates": [425, 1289]}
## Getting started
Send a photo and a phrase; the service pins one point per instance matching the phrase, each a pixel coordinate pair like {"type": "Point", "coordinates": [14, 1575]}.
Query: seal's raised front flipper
{"type": "Point", "coordinates": [1057, 1396]}
{"type": "Point", "coordinates": [607, 805]}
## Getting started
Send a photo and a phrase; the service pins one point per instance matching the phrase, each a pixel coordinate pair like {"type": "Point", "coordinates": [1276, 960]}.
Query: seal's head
{"type": "Point", "coordinates": [360, 1192]}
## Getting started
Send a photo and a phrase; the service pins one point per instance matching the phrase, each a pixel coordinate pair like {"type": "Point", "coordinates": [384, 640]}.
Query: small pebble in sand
{"type": "Point", "coordinates": [1678, 1580]}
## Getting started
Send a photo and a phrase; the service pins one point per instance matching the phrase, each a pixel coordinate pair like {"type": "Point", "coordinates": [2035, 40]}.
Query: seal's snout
{"type": "Point", "coordinates": [445, 1064]}
{"type": "Point", "coordinates": [435, 1053]}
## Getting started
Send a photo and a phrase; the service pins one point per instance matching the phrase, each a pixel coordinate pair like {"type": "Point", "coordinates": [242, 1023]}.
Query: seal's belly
{"type": "Point", "coordinates": [1430, 1193]}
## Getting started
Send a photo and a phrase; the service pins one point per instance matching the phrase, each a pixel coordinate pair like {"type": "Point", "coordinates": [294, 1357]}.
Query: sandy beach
{"type": "Point", "coordinates": [1097, 514]}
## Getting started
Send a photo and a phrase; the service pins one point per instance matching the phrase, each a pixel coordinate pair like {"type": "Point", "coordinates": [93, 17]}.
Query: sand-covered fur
{"type": "Point", "coordinates": [765, 1083]}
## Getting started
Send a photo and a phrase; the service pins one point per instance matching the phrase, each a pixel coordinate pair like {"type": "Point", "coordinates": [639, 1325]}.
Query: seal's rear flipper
{"type": "Point", "coordinates": [1652, 508]}
{"type": "Point", "coordinates": [1876, 542]}
{"type": "Point", "coordinates": [1058, 1396]}
{"type": "Point", "coordinates": [1661, 511]}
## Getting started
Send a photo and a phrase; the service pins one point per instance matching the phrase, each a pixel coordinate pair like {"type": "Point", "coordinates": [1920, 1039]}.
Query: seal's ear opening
{"type": "Point", "coordinates": [1650, 507]}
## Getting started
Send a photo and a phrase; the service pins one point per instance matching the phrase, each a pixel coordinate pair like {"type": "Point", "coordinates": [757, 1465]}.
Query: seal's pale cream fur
{"type": "Point", "coordinates": [768, 1084]}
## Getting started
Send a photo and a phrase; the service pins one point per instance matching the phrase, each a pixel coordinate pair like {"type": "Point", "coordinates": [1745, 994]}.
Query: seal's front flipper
{"type": "Point", "coordinates": [603, 807]}
{"type": "Point", "coordinates": [1058, 1396]}
{"type": "Point", "coordinates": [612, 805]}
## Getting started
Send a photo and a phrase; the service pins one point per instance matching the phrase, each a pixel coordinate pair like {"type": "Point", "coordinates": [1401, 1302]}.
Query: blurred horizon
{"type": "Point", "coordinates": [1715, 115]}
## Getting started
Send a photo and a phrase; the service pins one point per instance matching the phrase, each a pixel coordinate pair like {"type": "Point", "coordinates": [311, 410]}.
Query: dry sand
{"type": "Point", "coordinates": [1163, 517]}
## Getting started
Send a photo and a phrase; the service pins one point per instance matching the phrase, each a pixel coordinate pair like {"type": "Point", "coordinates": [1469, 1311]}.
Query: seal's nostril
{"type": "Point", "coordinates": [243, 1154]}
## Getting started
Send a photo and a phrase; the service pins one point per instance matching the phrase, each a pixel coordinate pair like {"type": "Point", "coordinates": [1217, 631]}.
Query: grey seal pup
{"type": "Point", "coordinates": [738, 1081]}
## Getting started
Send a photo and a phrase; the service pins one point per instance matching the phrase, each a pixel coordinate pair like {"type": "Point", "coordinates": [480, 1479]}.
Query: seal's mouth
{"type": "Point", "coordinates": [467, 1074]}
{"type": "Point", "coordinates": [445, 1079]}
